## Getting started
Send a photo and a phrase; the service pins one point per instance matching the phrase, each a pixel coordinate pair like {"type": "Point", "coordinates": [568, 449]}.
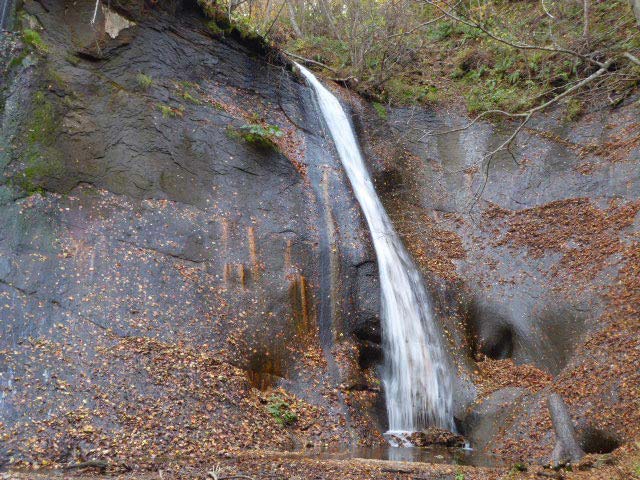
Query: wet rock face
{"type": "Point", "coordinates": [158, 221]}
{"type": "Point", "coordinates": [484, 421]}
{"type": "Point", "coordinates": [541, 253]}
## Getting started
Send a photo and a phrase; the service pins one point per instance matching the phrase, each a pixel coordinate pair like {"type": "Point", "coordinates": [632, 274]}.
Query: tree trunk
{"type": "Point", "coordinates": [567, 449]}
{"type": "Point", "coordinates": [326, 10]}
{"type": "Point", "coordinates": [267, 14]}
{"type": "Point", "coordinates": [635, 6]}
{"type": "Point", "coordinates": [292, 18]}
{"type": "Point", "coordinates": [585, 10]}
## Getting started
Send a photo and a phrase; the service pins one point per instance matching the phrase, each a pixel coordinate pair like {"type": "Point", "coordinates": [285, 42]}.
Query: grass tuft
{"type": "Point", "coordinates": [144, 81]}
{"type": "Point", "coordinates": [32, 39]}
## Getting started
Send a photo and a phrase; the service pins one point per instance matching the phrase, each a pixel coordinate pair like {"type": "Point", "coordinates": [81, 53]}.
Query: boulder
{"type": "Point", "coordinates": [436, 436]}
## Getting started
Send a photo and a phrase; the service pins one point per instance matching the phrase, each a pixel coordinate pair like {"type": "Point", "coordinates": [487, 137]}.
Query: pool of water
{"type": "Point", "coordinates": [433, 454]}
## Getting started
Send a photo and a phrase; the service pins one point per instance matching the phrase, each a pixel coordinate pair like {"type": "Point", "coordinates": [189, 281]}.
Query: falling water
{"type": "Point", "coordinates": [417, 373]}
{"type": "Point", "coordinates": [5, 13]}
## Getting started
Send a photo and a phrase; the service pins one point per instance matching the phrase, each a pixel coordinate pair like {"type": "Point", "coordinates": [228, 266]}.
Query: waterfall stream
{"type": "Point", "coordinates": [417, 374]}
{"type": "Point", "coordinates": [5, 13]}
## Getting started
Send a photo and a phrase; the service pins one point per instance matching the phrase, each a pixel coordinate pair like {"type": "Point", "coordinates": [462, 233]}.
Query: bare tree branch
{"type": "Point", "coordinates": [470, 124]}
{"type": "Point", "coordinates": [274, 20]}
{"type": "Point", "coordinates": [504, 146]}
{"type": "Point", "coordinates": [603, 69]}
{"type": "Point", "coordinates": [545, 10]}
{"type": "Point", "coordinates": [632, 58]}
{"type": "Point", "coordinates": [417, 27]}
{"type": "Point", "coordinates": [313, 62]}
{"type": "Point", "coordinates": [523, 46]}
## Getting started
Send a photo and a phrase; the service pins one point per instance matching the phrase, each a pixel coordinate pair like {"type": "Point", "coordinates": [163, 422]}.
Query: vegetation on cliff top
{"type": "Point", "coordinates": [493, 54]}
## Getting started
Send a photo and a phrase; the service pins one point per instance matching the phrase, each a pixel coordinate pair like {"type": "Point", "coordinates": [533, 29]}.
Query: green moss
{"type": "Point", "coordinates": [16, 61]}
{"type": "Point", "coordinates": [260, 135]}
{"type": "Point", "coordinates": [380, 110]}
{"type": "Point", "coordinates": [37, 168]}
{"type": "Point", "coordinates": [190, 98]}
{"type": "Point", "coordinates": [40, 159]}
{"type": "Point", "coordinates": [72, 59]}
{"type": "Point", "coordinates": [519, 467]}
{"type": "Point", "coordinates": [575, 109]}
{"type": "Point", "coordinates": [187, 85]}
{"type": "Point", "coordinates": [166, 110]}
{"type": "Point", "coordinates": [32, 39]}
{"type": "Point", "coordinates": [42, 125]}
{"type": "Point", "coordinates": [170, 112]}
{"type": "Point", "coordinates": [56, 79]}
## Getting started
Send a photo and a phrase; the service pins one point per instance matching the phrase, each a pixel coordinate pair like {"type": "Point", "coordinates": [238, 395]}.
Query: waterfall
{"type": "Point", "coordinates": [417, 374]}
{"type": "Point", "coordinates": [5, 14]}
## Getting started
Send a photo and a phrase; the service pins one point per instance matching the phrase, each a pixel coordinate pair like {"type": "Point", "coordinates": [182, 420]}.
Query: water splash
{"type": "Point", "coordinates": [417, 374]}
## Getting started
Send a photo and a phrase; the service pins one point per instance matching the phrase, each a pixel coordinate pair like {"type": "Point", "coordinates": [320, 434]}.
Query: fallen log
{"type": "Point", "coordinates": [567, 449]}
{"type": "Point", "coordinates": [99, 464]}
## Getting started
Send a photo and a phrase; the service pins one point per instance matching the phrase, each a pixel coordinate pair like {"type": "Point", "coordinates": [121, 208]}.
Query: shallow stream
{"type": "Point", "coordinates": [433, 454]}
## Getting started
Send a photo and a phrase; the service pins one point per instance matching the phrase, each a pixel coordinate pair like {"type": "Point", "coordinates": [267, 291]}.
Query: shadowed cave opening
{"type": "Point", "coordinates": [594, 440]}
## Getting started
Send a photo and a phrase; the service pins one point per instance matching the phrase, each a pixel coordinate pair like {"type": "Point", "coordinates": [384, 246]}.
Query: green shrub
{"type": "Point", "coordinates": [214, 28]}
{"type": "Point", "coordinates": [258, 134]}
{"type": "Point", "coordinates": [322, 49]}
{"type": "Point", "coordinates": [493, 94]}
{"type": "Point", "coordinates": [402, 92]}
{"type": "Point", "coordinates": [442, 31]}
{"type": "Point", "coordinates": [144, 81]}
{"type": "Point", "coordinates": [281, 411]}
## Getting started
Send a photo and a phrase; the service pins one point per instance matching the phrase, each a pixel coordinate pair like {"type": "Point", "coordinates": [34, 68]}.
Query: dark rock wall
{"type": "Point", "coordinates": [131, 210]}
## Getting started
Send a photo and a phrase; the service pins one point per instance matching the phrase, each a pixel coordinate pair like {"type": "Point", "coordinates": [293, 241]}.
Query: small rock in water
{"type": "Point", "coordinates": [436, 436]}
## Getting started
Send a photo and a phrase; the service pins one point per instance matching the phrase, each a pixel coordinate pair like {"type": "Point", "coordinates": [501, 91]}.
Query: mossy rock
{"type": "Point", "coordinates": [40, 159]}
